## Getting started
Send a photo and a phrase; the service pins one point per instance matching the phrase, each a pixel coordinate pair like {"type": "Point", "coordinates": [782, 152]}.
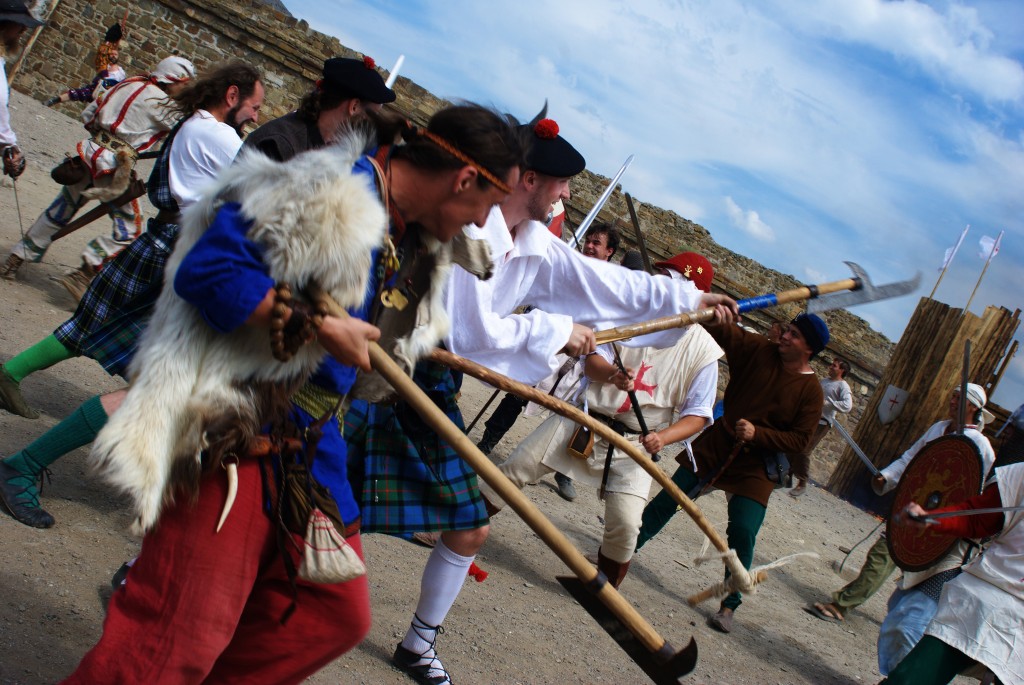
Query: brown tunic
{"type": "Point", "coordinates": [783, 406]}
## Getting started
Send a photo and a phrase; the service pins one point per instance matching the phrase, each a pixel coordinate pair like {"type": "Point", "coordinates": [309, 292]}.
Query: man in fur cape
{"type": "Point", "coordinates": [207, 606]}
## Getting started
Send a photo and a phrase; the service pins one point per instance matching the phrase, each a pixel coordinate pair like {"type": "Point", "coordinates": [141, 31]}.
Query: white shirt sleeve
{"type": "Point", "coordinates": [894, 471]}
{"type": "Point", "coordinates": [7, 136]}
{"type": "Point", "coordinates": [700, 396]}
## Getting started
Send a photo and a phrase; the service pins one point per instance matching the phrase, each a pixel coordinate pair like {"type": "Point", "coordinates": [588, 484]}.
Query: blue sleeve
{"type": "Point", "coordinates": [223, 275]}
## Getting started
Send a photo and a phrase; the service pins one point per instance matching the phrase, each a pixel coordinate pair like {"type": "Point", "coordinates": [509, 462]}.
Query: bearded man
{"type": "Point", "coordinates": [117, 306]}
{"type": "Point", "coordinates": [429, 488]}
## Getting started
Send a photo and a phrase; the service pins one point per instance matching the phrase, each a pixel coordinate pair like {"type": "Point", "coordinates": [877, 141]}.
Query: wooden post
{"type": "Point", "coordinates": [926, 364]}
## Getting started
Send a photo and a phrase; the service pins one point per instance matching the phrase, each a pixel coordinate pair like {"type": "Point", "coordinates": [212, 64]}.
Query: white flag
{"type": "Point", "coordinates": [951, 251]}
{"type": "Point", "coordinates": [989, 247]}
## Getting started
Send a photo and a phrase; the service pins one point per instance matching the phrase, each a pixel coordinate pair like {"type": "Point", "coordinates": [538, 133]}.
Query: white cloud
{"type": "Point", "coordinates": [862, 130]}
{"type": "Point", "coordinates": [748, 221]}
{"type": "Point", "coordinates": [954, 46]}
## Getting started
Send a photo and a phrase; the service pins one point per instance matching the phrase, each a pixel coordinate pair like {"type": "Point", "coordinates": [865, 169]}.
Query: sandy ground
{"type": "Point", "coordinates": [519, 626]}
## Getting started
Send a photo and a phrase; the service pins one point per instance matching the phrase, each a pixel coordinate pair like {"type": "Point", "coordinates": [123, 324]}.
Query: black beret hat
{"type": "Point", "coordinates": [549, 152]}
{"type": "Point", "coordinates": [358, 77]}
{"type": "Point", "coordinates": [17, 12]}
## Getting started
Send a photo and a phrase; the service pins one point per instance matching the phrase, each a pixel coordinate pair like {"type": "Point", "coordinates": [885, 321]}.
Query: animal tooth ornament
{"type": "Point", "coordinates": [196, 389]}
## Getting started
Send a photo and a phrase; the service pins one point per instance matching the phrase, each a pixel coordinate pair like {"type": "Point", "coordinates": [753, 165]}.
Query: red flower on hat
{"type": "Point", "coordinates": [546, 129]}
{"type": "Point", "coordinates": [369, 63]}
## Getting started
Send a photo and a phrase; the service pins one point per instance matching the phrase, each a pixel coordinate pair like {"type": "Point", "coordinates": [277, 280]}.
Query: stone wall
{"type": "Point", "coordinates": [290, 55]}
{"type": "Point", "coordinates": [285, 49]}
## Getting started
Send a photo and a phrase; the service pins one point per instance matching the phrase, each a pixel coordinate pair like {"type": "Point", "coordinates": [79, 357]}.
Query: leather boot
{"type": "Point", "coordinates": [11, 266]}
{"type": "Point", "coordinates": [487, 442]}
{"type": "Point", "coordinates": [614, 570]}
{"type": "Point", "coordinates": [77, 282]}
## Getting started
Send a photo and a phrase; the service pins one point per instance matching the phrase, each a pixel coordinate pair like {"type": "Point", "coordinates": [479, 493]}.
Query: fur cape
{"type": "Point", "coordinates": [317, 223]}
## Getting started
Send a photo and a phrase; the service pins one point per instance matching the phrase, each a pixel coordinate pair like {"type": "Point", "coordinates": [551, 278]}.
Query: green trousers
{"type": "Point", "coordinates": [877, 568]}
{"type": "Point", "coordinates": [745, 519]}
{"type": "Point", "coordinates": [930, 662]}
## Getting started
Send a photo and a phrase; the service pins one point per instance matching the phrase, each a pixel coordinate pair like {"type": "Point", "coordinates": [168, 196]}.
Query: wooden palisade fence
{"type": "Point", "coordinates": [927, 364]}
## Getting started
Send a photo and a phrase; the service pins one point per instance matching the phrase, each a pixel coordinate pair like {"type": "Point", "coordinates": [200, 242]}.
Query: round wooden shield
{"type": "Point", "coordinates": [946, 471]}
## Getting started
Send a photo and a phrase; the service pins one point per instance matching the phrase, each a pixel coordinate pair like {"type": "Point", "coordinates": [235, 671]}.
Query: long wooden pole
{"type": "Point", "coordinates": [482, 373]}
{"type": "Point", "coordinates": [527, 510]}
{"type": "Point", "coordinates": [762, 302]}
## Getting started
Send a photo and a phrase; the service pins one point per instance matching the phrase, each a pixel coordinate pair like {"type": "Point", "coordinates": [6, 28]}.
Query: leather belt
{"type": "Point", "coordinates": [111, 142]}
{"type": "Point", "coordinates": [616, 425]}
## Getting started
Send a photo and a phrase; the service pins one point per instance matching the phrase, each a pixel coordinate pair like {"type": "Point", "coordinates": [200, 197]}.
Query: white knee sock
{"type": "Point", "coordinates": [443, 577]}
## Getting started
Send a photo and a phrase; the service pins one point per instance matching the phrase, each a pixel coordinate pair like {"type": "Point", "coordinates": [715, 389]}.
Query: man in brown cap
{"type": "Point", "coordinates": [348, 89]}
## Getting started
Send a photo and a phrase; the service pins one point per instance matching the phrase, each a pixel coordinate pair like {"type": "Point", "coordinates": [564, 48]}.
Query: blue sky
{"type": "Point", "coordinates": [800, 134]}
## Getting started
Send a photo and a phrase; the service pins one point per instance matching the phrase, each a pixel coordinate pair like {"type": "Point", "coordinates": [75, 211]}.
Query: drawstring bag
{"type": "Point", "coordinates": [326, 557]}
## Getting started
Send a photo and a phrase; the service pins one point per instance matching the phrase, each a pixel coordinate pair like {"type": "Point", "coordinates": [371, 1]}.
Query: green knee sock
{"type": "Point", "coordinates": [80, 428]}
{"type": "Point", "coordinates": [42, 355]}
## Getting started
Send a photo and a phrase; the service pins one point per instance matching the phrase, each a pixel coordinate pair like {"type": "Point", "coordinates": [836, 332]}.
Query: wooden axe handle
{"type": "Point", "coordinates": [460, 442]}
{"type": "Point", "coordinates": [761, 302]}
{"type": "Point", "coordinates": [135, 190]}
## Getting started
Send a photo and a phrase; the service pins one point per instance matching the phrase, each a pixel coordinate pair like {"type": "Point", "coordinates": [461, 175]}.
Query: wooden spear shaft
{"type": "Point", "coordinates": [527, 510]}
{"type": "Point", "coordinates": [599, 428]}
{"type": "Point", "coordinates": [762, 302]}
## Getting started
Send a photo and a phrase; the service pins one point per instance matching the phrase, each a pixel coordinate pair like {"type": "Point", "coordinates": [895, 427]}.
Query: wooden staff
{"type": "Point", "coordinates": [565, 409]}
{"type": "Point", "coordinates": [482, 373]}
{"type": "Point", "coordinates": [552, 536]}
{"type": "Point", "coordinates": [762, 302]}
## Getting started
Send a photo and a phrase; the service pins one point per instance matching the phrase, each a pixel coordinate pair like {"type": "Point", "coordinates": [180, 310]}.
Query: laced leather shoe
{"type": "Point", "coordinates": [77, 282]}
{"type": "Point", "coordinates": [11, 398]}
{"type": "Point", "coordinates": [21, 500]}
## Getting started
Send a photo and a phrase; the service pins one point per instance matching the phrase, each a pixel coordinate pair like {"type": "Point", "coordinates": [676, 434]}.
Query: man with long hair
{"type": "Point", "coordinates": [350, 88]}
{"type": "Point", "coordinates": [203, 606]}
{"type": "Point", "coordinates": [117, 305]}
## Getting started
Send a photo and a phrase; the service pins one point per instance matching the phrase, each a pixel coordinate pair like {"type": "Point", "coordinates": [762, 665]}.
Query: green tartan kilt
{"type": "Point", "coordinates": [407, 479]}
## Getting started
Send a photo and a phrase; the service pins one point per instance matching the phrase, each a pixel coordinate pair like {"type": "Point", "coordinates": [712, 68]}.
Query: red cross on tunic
{"type": "Point", "coordinates": [638, 385]}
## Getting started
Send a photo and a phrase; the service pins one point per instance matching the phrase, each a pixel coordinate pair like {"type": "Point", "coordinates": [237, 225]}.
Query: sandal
{"type": "Point", "coordinates": [826, 612]}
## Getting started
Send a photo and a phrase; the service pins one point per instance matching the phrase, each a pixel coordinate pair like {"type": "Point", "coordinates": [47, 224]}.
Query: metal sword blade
{"type": "Point", "coordinates": [856, 448]}
{"type": "Point", "coordinates": [592, 214]}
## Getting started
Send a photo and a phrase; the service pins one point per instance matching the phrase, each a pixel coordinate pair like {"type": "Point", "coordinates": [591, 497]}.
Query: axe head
{"type": "Point", "coordinates": [865, 292]}
{"type": "Point", "coordinates": [664, 667]}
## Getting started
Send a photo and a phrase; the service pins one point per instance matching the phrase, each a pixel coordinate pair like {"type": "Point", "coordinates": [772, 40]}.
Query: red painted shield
{"type": "Point", "coordinates": [946, 471]}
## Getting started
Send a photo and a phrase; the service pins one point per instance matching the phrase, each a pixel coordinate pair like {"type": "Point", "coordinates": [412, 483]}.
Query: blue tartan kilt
{"type": "Point", "coordinates": [411, 480]}
{"type": "Point", "coordinates": [118, 303]}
